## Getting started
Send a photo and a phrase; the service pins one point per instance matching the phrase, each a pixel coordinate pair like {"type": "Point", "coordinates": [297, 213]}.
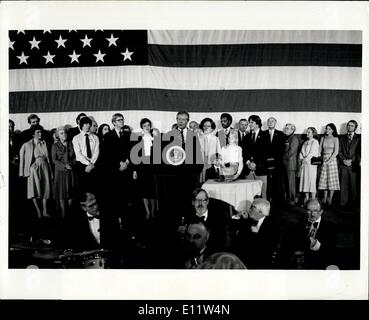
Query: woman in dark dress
{"type": "Point", "coordinates": [65, 182]}
{"type": "Point", "coordinates": [144, 172]}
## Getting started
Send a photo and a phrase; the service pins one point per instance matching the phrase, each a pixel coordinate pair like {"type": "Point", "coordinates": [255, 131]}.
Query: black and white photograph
{"type": "Point", "coordinates": [159, 149]}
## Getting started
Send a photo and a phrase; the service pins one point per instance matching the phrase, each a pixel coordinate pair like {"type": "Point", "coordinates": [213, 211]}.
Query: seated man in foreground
{"type": "Point", "coordinates": [315, 240]}
{"type": "Point", "coordinates": [258, 237]}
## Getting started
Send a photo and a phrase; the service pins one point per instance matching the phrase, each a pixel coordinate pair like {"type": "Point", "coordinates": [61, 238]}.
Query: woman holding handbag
{"type": "Point", "coordinates": [308, 171]}
{"type": "Point", "coordinates": [329, 178]}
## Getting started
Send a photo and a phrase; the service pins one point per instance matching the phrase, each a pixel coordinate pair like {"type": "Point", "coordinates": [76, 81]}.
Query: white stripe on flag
{"type": "Point", "coordinates": [231, 78]}
{"type": "Point", "coordinates": [195, 37]}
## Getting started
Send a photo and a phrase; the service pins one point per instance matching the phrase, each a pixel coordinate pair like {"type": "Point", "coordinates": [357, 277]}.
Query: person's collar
{"type": "Point", "coordinates": [256, 227]}
{"type": "Point", "coordinates": [271, 130]}
{"type": "Point", "coordinates": [256, 131]}
{"type": "Point", "coordinates": [118, 131]}
{"type": "Point", "coordinates": [205, 215]}
{"type": "Point", "coordinates": [92, 217]}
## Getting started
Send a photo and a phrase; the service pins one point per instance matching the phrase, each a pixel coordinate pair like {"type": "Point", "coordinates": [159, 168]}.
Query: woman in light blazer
{"type": "Point", "coordinates": [34, 164]}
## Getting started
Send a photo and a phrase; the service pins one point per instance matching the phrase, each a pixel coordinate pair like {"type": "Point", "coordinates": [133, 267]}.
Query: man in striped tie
{"type": "Point", "coordinates": [315, 238]}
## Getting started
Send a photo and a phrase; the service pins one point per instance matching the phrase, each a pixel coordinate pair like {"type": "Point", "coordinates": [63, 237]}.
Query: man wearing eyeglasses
{"type": "Point", "coordinates": [117, 179]}
{"type": "Point", "coordinates": [215, 216]}
{"type": "Point", "coordinates": [315, 238]}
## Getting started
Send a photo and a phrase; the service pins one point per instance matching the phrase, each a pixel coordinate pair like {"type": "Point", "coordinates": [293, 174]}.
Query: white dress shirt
{"type": "Point", "coordinates": [256, 228]}
{"type": "Point", "coordinates": [80, 149]}
{"type": "Point", "coordinates": [94, 227]}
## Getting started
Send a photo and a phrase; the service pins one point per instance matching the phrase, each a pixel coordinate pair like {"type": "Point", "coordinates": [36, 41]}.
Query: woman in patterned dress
{"type": "Point", "coordinates": [329, 178]}
{"type": "Point", "coordinates": [65, 182]}
{"type": "Point", "coordinates": [308, 172]}
{"type": "Point", "coordinates": [34, 164]}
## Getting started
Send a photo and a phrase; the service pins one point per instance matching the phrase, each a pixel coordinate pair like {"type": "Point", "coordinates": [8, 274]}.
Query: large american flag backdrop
{"type": "Point", "coordinates": [309, 78]}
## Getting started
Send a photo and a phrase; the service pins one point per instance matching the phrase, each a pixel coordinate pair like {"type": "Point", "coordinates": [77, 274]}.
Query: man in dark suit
{"type": "Point", "coordinates": [242, 132]}
{"type": "Point", "coordinates": [115, 191]}
{"type": "Point", "coordinates": [274, 150]}
{"type": "Point", "coordinates": [214, 214]}
{"type": "Point", "coordinates": [349, 144]}
{"type": "Point", "coordinates": [178, 175]}
{"type": "Point", "coordinates": [258, 237]}
{"type": "Point", "coordinates": [76, 130]}
{"type": "Point", "coordinates": [83, 225]}
{"type": "Point", "coordinates": [196, 248]}
{"type": "Point", "coordinates": [290, 162]}
{"type": "Point", "coordinates": [256, 142]}
{"type": "Point", "coordinates": [315, 239]}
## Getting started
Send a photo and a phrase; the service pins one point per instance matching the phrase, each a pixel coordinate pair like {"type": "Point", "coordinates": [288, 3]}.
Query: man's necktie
{"type": "Point", "coordinates": [182, 138]}
{"type": "Point", "coordinates": [271, 136]}
{"type": "Point", "coordinates": [350, 137]}
{"type": "Point", "coordinates": [312, 228]}
{"type": "Point", "coordinates": [253, 137]}
{"type": "Point", "coordinates": [121, 134]}
{"type": "Point", "coordinates": [88, 147]}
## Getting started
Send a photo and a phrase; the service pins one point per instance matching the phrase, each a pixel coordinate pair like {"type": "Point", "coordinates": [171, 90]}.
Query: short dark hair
{"type": "Point", "coordinates": [12, 122]}
{"type": "Point", "coordinates": [212, 123]}
{"type": "Point", "coordinates": [81, 115]}
{"type": "Point", "coordinates": [36, 127]}
{"type": "Point", "coordinates": [196, 192]}
{"type": "Point", "coordinates": [83, 121]}
{"type": "Point", "coordinates": [183, 112]}
{"type": "Point", "coordinates": [144, 120]}
{"type": "Point", "coordinates": [32, 116]}
{"type": "Point", "coordinates": [354, 122]}
{"type": "Point", "coordinates": [256, 119]}
{"type": "Point", "coordinates": [227, 116]}
{"type": "Point", "coordinates": [243, 119]}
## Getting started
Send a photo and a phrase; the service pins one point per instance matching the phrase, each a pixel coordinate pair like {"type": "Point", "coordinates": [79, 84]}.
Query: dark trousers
{"type": "Point", "coordinates": [275, 189]}
{"type": "Point", "coordinates": [87, 180]}
{"type": "Point", "coordinates": [348, 186]}
{"type": "Point", "coordinates": [289, 179]}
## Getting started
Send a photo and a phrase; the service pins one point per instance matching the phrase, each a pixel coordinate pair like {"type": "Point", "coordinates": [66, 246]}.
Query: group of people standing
{"type": "Point", "coordinates": [98, 160]}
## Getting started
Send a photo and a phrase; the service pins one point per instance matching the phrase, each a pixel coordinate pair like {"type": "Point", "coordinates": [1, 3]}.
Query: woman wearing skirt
{"type": "Point", "coordinates": [329, 178]}
{"type": "Point", "coordinates": [34, 164]}
{"type": "Point", "coordinates": [65, 182]}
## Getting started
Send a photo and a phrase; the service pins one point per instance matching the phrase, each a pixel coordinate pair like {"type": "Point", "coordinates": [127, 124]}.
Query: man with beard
{"type": "Point", "coordinates": [224, 133]}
